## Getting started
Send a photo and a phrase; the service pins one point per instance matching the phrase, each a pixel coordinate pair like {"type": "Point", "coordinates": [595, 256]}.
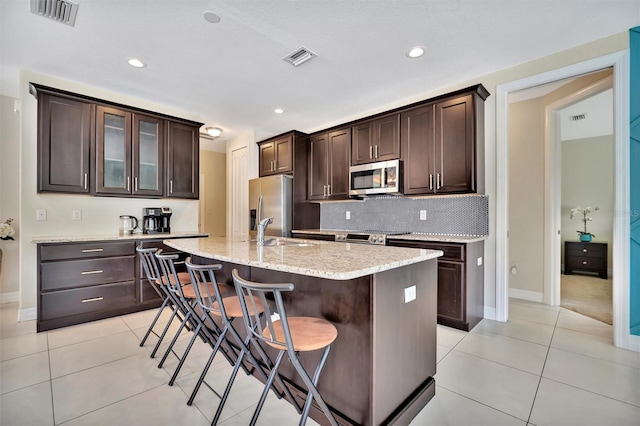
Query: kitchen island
{"type": "Point", "coordinates": [381, 299]}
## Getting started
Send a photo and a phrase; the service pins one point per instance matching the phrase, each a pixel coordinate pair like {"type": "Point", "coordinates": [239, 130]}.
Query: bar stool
{"type": "Point", "coordinates": [288, 335]}
{"type": "Point", "coordinates": [152, 273]}
{"type": "Point", "coordinates": [184, 296]}
{"type": "Point", "coordinates": [212, 303]}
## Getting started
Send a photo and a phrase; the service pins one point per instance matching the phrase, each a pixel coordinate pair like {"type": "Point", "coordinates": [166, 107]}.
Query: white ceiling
{"type": "Point", "coordinates": [231, 74]}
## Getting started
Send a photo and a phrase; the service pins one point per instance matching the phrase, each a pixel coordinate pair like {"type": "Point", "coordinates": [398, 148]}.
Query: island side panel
{"type": "Point", "coordinates": [404, 342]}
{"type": "Point", "coordinates": [345, 382]}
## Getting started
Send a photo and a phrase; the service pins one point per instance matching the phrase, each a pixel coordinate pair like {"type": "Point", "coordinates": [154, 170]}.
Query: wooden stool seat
{"type": "Point", "coordinates": [307, 333]}
{"type": "Point", "coordinates": [233, 309]}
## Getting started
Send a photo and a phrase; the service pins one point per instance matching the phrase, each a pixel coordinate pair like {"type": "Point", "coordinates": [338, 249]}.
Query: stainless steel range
{"type": "Point", "coordinates": [365, 237]}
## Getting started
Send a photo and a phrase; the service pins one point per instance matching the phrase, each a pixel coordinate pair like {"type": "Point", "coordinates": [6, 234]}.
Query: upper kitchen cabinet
{"type": "Point", "coordinates": [376, 140]}
{"type": "Point", "coordinates": [276, 155]}
{"type": "Point", "coordinates": [443, 144]}
{"type": "Point", "coordinates": [129, 153]}
{"type": "Point", "coordinates": [91, 146]}
{"type": "Point", "coordinates": [329, 159]}
{"type": "Point", "coordinates": [183, 154]}
{"type": "Point", "coordinates": [64, 143]}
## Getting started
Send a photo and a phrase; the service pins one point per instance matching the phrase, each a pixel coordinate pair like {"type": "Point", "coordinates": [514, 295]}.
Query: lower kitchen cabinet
{"type": "Point", "coordinates": [87, 281]}
{"type": "Point", "coordinates": [460, 281]}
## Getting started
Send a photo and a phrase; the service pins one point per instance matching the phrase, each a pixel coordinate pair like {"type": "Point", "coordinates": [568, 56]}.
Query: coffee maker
{"type": "Point", "coordinates": [156, 220]}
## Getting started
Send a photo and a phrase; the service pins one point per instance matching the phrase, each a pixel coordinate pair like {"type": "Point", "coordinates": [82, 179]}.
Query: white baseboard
{"type": "Point", "coordinates": [27, 314]}
{"type": "Point", "coordinates": [490, 312]}
{"type": "Point", "coordinates": [9, 297]}
{"type": "Point", "coordinates": [531, 296]}
{"type": "Point", "coordinates": [634, 343]}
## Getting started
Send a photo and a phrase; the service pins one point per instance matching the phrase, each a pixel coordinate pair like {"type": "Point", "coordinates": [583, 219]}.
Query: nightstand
{"type": "Point", "coordinates": [585, 257]}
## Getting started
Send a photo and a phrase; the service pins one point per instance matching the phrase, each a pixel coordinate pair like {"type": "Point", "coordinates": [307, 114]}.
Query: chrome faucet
{"type": "Point", "coordinates": [262, 227]}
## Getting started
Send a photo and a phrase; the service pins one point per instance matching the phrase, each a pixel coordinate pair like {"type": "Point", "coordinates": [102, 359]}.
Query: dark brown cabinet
{"type": "Point", "coordinates": [276, 156]}
{"type": "Point", "coordinates": [129, 153]}
{"type": "Point", "coordinates": [87, 145]}
{"type": "Point", "coordinates": [442, 144]}
{"type": "Point", "coordinates": [460, 281]}
{"type": "Point", "coordinates": [376, 140]}
{"type": "Point", "coordinates": [329, 159]}
{"type": "Point", "coordinates": [585, 257]}
{"type": "Point", "coordinates": [64, 144]}
{"type": "Point", "coordinates": [79, 282]}
{"type": "Point", "coordinates": [183, 161]}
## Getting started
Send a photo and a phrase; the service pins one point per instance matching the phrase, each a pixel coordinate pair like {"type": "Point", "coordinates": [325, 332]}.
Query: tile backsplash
{"type": "Point", "coordinates": [450, 215]}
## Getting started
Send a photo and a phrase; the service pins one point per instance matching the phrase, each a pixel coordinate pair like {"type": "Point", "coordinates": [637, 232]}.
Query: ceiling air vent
{"type": "Point", "coordinates": [577, 117]}
{"type": "Point", "coordinates": [63, 11]}
{"type": "Point", "coordinates": [299, 56]}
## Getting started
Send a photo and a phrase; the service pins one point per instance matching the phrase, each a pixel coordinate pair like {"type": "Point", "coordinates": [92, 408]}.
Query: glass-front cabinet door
{"type": "Point", "coordinates": [113, 151]}
{"type": "Point", "coordinates": [147, 147]}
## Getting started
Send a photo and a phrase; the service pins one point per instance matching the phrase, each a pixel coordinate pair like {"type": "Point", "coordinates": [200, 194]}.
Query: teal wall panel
{"type": "Point", "coordinates": [634, 184]}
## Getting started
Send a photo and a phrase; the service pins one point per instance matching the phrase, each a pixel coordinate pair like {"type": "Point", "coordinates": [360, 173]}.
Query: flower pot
{"type": "Point", "coordinates": [585, 238]}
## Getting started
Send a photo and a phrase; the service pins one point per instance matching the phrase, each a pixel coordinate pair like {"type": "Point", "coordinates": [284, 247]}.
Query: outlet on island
{"type": "Point", "coordinates": [423, 215]}
{"type": "Point", "coordinates": [347, 215]}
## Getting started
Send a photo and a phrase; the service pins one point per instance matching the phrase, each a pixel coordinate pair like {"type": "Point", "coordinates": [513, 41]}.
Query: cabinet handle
{"type": "Point", "coordinates": [431, 181]}
{"type": "Point", "coordinates": [370, 152]}
{"type": "Point", "coordinates": [135, 184]}
{"type": "Point", "coordinates": [128, 183]}
{"type": "Point", "coordinates": [92, 299]}
{"type": "Point", "coordinates": [275, 165]}
{"type": "Point", "coordinates": [375, 150]}
{"type": "Point", "coordinates": [97, 271]}
{"type": "Point", "coordinates": [85, 181]}
{"type": "Point", "coordinates": [584, 262]}
{"type": "Point", "coordinates": [438, 186]}
{"type": "Point", "coordinates": [584, 250]}
{"type": "Point", "coordinates": [171, 186]}
{"type": "Point", "coordinates": [96, 250]}
{"type": "Point", "coordinates": [324, 190]}
{"type": "Point", "coordinates": [328, 190]}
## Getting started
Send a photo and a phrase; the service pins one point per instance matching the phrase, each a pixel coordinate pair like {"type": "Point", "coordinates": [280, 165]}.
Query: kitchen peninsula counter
{"type": "Point", "coordinates": [382, 300]}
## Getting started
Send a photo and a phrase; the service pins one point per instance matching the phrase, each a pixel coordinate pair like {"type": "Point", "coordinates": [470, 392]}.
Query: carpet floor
{"type": "Point", "coordinates": [590, 296]}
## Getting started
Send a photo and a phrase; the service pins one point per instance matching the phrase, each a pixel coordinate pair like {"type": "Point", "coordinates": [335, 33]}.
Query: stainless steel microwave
{"type": "Point", "coordinates": [384, 177]}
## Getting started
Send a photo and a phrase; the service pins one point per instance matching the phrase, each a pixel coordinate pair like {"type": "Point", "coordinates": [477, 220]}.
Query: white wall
{"type": "Point", "coordinates": [99, 214]}
{"type": "Point", "coordinates": [587, 180]}
{"type": "Point", "coordinates": [10, 195]}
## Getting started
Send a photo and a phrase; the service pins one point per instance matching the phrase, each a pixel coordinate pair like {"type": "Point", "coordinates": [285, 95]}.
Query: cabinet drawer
{"type": "Point", "coordinates": [451, 251]}
{"type": "Point", "coordinates": [85, 250]}
{"type": "Point", "coordinates": [585, 263]}
{"type": "Point", "coordinates": [586, 250]}
{"type": "Point", "coordinates": [76, 273]}
{"type": "Point", "coordinates": [105, 297]}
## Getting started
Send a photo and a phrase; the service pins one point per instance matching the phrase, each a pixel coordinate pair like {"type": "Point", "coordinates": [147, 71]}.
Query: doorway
{"type": "Point", "coordinates": [619, 61]}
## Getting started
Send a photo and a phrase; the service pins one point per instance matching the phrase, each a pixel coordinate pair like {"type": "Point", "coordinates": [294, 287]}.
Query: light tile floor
{"type": "Point", "coordinates": [545, 366]}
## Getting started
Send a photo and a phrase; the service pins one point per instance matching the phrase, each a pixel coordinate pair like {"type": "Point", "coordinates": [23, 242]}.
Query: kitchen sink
{"type": "Point", "coordinates": [274, 242]}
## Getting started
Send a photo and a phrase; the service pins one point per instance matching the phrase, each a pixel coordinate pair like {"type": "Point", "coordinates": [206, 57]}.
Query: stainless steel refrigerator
{"type": "Point", "coordinates": [271, 196]}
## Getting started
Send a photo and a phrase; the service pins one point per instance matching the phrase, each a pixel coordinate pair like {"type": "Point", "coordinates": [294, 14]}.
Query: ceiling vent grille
{"type": "Point", "coordinates": [63, 11]}
{"type": "Point", "coordinates": [299, 56]}
{"type": "Point", "coordinates": [577, 117]}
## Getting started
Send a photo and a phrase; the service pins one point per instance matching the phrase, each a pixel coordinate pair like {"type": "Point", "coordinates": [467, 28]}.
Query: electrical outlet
{"type": "Point", "coordinates": [347, 215]}
{"type": "Point", "coordinates": [77, 215]}
{"type": "Point", "coordinates": [480, 261]}
{"type": "Point", "coordinates": [423, 215]}
{"type": "Point", "coordinates": [41, 215]}
{"type": "Point", "coordinates": [514, 269]}
{"type": "Point", "coordinates": [409, 294]}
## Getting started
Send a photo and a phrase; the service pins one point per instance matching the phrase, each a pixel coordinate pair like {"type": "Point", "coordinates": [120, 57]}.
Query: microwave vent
{"type": "Point", "coordinates": [63, 11]}
{"type": "Point", "coordinates": [299, 56]}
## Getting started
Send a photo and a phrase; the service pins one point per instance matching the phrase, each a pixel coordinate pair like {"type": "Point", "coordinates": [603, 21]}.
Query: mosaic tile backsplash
{"type": "Point", "coordinates": [449, 215]}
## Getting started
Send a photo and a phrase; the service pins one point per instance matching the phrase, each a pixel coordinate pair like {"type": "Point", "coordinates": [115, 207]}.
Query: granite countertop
{"type": "Point", "coordinates": [114, 237]}
{"type": "Point", "coordinates": [411, 237]}
{"type": "Point", "coordinates": [324, 259]}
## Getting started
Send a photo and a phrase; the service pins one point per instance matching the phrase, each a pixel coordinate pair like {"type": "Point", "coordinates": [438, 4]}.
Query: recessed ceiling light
{"type": "Point", "coordinates": [278, 110]}
{"type": "Point", "coordinates": [135, 62]}
{"type": "Point", "coordinates": [214, 131]}
{"type": "Point", "coordinates": [415, 52]}
{"type": "Point", "coordinates": [212, 17]}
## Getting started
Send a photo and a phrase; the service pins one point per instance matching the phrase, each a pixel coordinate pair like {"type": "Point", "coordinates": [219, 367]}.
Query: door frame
{"type": "Point", "coordinates": [621, 232]}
